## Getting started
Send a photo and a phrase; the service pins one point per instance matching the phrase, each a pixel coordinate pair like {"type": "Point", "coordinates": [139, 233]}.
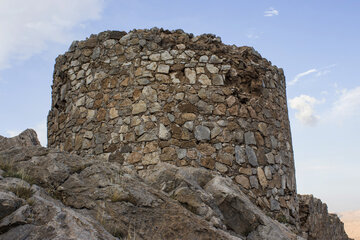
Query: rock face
{"type": "Point", "coordinates": [317, 223]}
{"type": "Point", "coordinates": [150, 96]}
{"type": "Point", "coordinates": [48, 194]}
{"type": "Point", "coordinates": [26, 138]}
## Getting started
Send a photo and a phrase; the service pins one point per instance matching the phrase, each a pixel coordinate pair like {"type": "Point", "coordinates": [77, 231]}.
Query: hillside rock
{"type": "Point", "coordinates": [24, 139]}
{"type": "Point", "coordinates": [217, 199]}
{"type": "Point", "coordinates": [48, 194]}
{"type": "Point", "coordinates": [317, 223]}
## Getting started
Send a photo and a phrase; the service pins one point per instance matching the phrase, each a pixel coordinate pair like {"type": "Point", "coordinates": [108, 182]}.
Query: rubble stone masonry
{"type": "Point", "coordinates": [148, 96]}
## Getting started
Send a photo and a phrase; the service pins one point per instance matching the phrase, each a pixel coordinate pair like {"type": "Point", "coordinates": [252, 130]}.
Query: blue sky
{"type": "Point", "coordinates": [315, 42]}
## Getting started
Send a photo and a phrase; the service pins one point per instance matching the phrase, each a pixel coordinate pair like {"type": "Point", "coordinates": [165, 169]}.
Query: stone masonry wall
{"type": "Point", "coordinates": [153, 95]}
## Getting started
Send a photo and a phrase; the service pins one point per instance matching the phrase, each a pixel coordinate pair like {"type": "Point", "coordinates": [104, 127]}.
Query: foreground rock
{"type": "Point", "coordinates": [217, 199]}
{"type": "Point", "coordinates": [47, 194]}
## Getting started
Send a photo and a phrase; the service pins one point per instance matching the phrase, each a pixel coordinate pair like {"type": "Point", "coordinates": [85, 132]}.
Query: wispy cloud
{"type": "Point", "coordinates": [304, 106]}
{"type": "Point", "coordinates": [348, 104]}
{"type": "Point", "coordinates": [300, 75]}
{"type": "Point", "coordinates": [26, 27]}
{"type": "Point", "coordinates": [271, 12]}
{"type": "Point", "coordinates": [252, 36]}
{"type": "Point", "coordinates": [319, 72]}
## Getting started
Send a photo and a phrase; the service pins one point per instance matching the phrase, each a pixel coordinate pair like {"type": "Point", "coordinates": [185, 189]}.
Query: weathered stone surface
{"type": "Point", "coordinates": [219, 199]}
{"type": "Point", "coordinates": [139, 107]}
{"type": "Point", "coordinates": [261, 176]}
{"type": "Point", "coordinates": [250, 138]}
{"type": "Point", "coordinates": [317, 222]}
{"type": "Point", "coordinates": [239, 154]}
{"type": "Point", "coordinates": [26, 138]}
{"type": "Point", "coordinates": [202, 133]}
{"type": "Point", "coordinates": [254, 182]}
{"type": "Point", "coordinates": [164, 134]}
{"type": "Point", "coordinates": [190, 75]}
{"type": "Point", "coordinates": [92, 196]}
{"type": "Point", "coordinates": [149, 94]}
{"type": "Point", "coordinates": [243, 181]}
{"type": "Point", "coordinates": [251, 156]}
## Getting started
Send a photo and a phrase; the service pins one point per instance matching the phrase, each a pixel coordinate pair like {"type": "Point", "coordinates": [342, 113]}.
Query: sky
{"type": "Point", "coordinates": [315, 42]}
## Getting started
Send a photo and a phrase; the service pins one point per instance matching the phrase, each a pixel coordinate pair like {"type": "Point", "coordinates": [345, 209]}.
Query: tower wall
{"type": "Point", "coordinates": [148, 96]}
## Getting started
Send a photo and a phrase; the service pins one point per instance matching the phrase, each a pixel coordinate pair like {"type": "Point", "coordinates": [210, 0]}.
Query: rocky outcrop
{"type": "Point", "coordinates": [26, 138]}
{"type": "Point", "coordinates": [48, 194]}
{"type": "Point", "coordinates": [317, 223]}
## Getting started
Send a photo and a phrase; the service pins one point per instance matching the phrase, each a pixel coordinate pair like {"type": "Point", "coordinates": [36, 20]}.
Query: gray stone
{"type": "Point", "coordinates": [100, 138]}
{"type": "Point", "coordinates": [139, 130]}
{"type": "Point", "coordinates": [250, 138]}
{"type": "Point", "coordinates": [181, 153]}
{"type": "Point", "coordinates": [171, 117]}
{"type": "Point", "coordinates": [204, 59]}
{"type": "Point", "coordinates": [166, 56]}
{"type": "Point", "coordinates": [143, 81]}
{"type": "Point", "coordinates": [268, 172]}
{"type": "Point", "coordinates": [191, 75]}
{"type": "Point", "coordinates": [283, 182]}
{"type": "Point", "coordinates": [203, 79]}
{"type": "Point", "coordinates": [278, 159]}
{"type": "Point", "coordinates": [270, 158]}
{"type": "Point", "coordinates": [139, 107]}
{"type": "Point", "coordinates": [218, 80]}
{"type": "Point", "coordinates": [202, 133]}
{"type": "Point", "coordinates": [254, 182]}
{"type": "Point", "coordinates": [215, 59]}
{"type": "Point", "coordinates": [164, 134]}
{"type": "Point", "coordinates": [162, 68]}
{"type": "Point", "coordinates": [221, 167]}
{"type": "Point", "coordinates": [239, 154]}
{"type": "Point", "coordinates": [96, 53]}
{"type": "Point", "coordinates": [211, 68]}
{"type": "Point", "coordinates": [149, 93]}
{"type": "Point", "coordinates": [215, 131]}
{"type": "Point", "coordinates": [147, 137]}
{"type": "Point", "coordinates": [274, 142]}
{"type": "Point", "coordinates": [189, 125]}
{"type": "Point", "coordinates": [250, 153]}
{"type": "Point", "coordinates": [274, 204]}
{"type": "Point", "coordinates": [155, 57]}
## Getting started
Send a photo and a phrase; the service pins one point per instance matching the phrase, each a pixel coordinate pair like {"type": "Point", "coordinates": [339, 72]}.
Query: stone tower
{"type": "Point", "coordinates": [153, 95]}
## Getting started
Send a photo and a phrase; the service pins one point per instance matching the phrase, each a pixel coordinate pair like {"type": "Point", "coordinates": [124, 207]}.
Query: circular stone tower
{"type": "Point", "coordinates": [148, 96]}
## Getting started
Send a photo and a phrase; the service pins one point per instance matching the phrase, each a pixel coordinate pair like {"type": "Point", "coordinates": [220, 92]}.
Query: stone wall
{"type": "Point", "coordinates": [152, 95]}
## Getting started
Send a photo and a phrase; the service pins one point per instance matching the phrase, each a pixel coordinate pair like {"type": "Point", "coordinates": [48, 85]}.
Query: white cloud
{"type": "Point", "coordinates": [252, 36]}
{"type": "Point", "coordinates": [271, 12]}
{"type": "Point", "coordinates": [40, 129]}
{"type": "Point", "coordinates": [300, 75]}
{"type": "Point", "coordinates": [304, 105]}
{"type": "Point", "coordinates": [319, 72]}
{"type": "Point", "coordinates": [26, 26]}
{"type": "Point", "coordinates": [348, 104]}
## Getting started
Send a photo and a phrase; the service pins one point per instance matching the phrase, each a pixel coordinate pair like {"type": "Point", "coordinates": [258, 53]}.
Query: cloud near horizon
{"type": "Point", "coordinates": [271, 12]}
{"type": "Point", "coordinates": [304, 105]}
{"type": "Point", "coordinates": [27, 26]}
